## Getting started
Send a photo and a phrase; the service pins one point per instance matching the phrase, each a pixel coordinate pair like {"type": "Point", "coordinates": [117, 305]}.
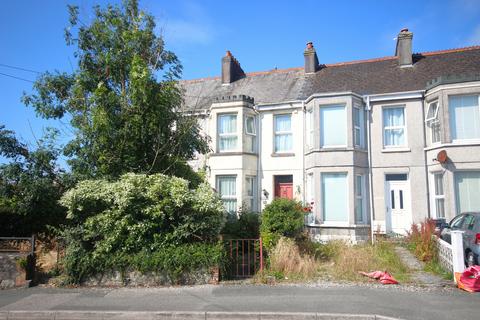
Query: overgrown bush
{"type": "Point", "coordinates": [156, 216]}
{"type": "Point", "coordinates": [247, 226]}
{"type": "Point", "coordinates": [282, 217]}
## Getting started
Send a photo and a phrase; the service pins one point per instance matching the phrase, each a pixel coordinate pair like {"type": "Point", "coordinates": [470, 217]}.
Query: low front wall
{"type": "Point", "coordinates": [150, 279]}
{"type": "Point", "coordinates": [16, 270]}
{"type": "Point", "coordinates": [353, 234]}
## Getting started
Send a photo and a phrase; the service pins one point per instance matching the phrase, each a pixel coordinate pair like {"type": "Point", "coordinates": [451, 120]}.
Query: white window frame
{"type": "Point", "coordinates": [227, 197]}
{"type": "Point", "coordinates": [433, 123]}
{"type": "Point", "coordinates": [434, 196]}
{"type": "Point", "coordinates": [279, 133]}
{"type": "Point", "coordinates": [360, 128]}
{"type": "Point", "coordinates": [310, 197]}
{"type": "Point", "coordinates": [252, 199]}
{"type": "Point", "coordinates": [252, 135]}
{"type": "Point", "coordinates": [310, 124]}
{"type": "Point", "coordinates": [362, 197]}
{"type": "Point", "coordinates": [323, 146]}
{"type": "Point", "coordinates": [470, 140]}
{"type": "Point", "coordinates": [335, 222]}
{"type": "Point", "coordinates": [404, 127]}
{"type": "Point", "coordinates": [230, 134]}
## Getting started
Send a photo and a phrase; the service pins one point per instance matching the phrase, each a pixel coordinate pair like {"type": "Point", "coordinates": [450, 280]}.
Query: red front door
{"type": "Point", "coordinates": [284, 190]}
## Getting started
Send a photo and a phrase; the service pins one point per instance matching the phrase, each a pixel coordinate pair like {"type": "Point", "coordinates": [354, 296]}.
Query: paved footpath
{"type": "Point", "coordinates": [390, 301]}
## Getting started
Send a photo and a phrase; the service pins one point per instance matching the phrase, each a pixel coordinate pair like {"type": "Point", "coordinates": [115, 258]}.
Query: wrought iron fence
{"type": "Point", "coordinates": [245, 258]}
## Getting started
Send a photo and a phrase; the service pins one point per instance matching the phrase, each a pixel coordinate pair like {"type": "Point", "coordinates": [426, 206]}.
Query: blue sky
{"type": "Point", "coordinates": [261, 34]}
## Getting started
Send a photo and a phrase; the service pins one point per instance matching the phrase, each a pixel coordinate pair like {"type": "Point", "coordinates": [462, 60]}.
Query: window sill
{"type": "Point", "coordinates": [457, 143]}
{"type": "Point", "coordinates": [390, 150]}
{"type": "Point", "coordinates": [233, 153]}
{"type": "Point", "coordinates": [337, 225]}
{"type": "Point", "coordinates": [283, 154]}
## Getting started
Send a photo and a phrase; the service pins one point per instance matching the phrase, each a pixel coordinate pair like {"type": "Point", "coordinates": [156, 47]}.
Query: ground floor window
{"type": "Point", "coordinates": [251, 183]}
{"type": "Point", "coordinates": [335, 197]}
{"type": "Point", "coordinates": [438, 195]}
{"type": "Point", "coordinates": [467, 191]}
{"type": "Point", "coordinates": [359, 198]}
{"type": "Point", "coordinates": [226, 187]}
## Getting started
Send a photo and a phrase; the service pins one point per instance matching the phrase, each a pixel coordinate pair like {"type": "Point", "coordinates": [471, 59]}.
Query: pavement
{"type": "Point", "coordinates": [316, 301]}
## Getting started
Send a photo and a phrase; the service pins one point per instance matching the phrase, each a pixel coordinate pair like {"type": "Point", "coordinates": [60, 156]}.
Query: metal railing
{"type": "Point", "coordinates": [17, 244]}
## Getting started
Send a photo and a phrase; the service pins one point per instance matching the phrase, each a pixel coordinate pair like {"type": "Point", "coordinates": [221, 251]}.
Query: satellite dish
{"type": "Point", "coordinates": [442, 156]}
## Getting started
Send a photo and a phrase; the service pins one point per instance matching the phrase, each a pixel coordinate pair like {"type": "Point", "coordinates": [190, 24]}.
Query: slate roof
{"type": "Point", "coordinates": [382, 75]}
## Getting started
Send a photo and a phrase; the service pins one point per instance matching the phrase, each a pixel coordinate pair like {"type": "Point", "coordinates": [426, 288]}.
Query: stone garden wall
{"type": "Point", "coordinates": [150, 279]}
{"type": "Point", "coordinates": [16, 270]}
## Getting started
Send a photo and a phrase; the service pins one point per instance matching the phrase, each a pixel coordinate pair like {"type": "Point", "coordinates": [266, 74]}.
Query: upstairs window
{"type": "Point", "coordinates": [333, 126]}
{"type": "Point", "coordinates": [464, 117]}
{"type": "Point", "coordinates": [283, 133]}
{"type": "Point", "coordinates": [227, 132]}
{"type": "Point", "coordinates": [309, 122]}
{"type": "Point", "coordinates": [250, 134]}
{"type": "Point", "coordinates": [394, 126]}
{"type": "Point", "coordinates": [358, 127]}
{"type": "Point", "coordinates": [433, 122]}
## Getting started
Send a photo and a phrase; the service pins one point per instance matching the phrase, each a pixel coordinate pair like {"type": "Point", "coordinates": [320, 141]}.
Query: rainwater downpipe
{"type": "Point", "coordinates": [368, 108]}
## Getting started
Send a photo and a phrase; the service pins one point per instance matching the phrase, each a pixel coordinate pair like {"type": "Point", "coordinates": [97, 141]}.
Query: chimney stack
{"type": "Point", "coordinates": [404, 48]}
{"type": "Point", "coordinates": [311, 59]}
{"type": "Point", "coordinates": [231, 69]}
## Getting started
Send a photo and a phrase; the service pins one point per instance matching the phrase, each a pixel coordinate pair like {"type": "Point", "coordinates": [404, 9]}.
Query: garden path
{"type": "Point", "coordinates": [419, 275]}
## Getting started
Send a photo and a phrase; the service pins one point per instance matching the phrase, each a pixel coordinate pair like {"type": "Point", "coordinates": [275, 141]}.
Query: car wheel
{"type": "Point", "coordinates": [470, 259]}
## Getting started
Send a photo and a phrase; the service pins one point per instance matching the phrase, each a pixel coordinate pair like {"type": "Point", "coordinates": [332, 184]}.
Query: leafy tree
{"type": "Point", "coordinates": [31, 185]}
{"type": "Point", "coordinates": [123, 100]}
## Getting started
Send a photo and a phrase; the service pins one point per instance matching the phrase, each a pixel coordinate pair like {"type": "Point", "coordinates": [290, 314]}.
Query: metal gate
{"type": "Point", "coordinates": [245, 258]}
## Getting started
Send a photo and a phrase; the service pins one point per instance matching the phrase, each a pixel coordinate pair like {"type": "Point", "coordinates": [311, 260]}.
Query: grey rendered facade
{"type": "Point", "coordinates": [357, 141]}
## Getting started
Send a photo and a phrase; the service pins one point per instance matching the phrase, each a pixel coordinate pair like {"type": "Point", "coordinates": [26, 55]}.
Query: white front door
{"type": "Point", "coordinates": [399, 216]}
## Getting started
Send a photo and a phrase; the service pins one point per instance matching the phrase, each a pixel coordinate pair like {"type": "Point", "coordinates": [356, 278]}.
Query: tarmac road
{"type": "Point", "coordinates": [393, 301]}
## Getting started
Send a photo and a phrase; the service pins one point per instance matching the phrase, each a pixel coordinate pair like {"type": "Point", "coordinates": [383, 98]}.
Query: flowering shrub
{"type": "Point", "coordinates": [138, 214]}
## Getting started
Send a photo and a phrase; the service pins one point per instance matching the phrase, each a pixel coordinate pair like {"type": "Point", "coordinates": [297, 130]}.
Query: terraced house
{"type": "Point", "coordinates": [372, 145]}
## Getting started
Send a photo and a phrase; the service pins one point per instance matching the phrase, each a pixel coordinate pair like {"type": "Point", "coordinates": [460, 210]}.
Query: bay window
{"type": "Point", "coordinates": [464, 115]}
{"type": "Point", "coordinates": [433, 122]}
{"type": "Point", "coordinates": [358, 127]}
{"type": "Point", "coordinates": [394, 126]}
{"type": "Point", "coordinates": [467, 191]}
{"type": "Point", "coordinates": [227, 189]}
{"type": "Point", "coordinates": [283, 133]}
{"type": "Point", "coordinates": [309, 123]}
{"type": "Point", "coordinates": [335, 197]}
{"type": "Point", "coordinates": [333, 126]}
{"type": "Point", "coordinates": [227, 132]}
{"type": "Point", "coordinates": [360, 198]}
{"type": "Point", "coordinates": [251, 184]}
{"type": "Point", "coordinates": [250, 134]}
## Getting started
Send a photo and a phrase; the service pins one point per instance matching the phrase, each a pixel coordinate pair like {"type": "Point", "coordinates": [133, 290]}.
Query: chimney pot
{"type": "Point", "coordinates": [229, 54]}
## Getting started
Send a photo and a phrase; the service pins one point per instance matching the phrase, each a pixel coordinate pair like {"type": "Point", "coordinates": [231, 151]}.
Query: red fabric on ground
{"type": "Point", "coordinates": [383, 276]}
{"type": "Point", "coordinates": [469, 280]}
